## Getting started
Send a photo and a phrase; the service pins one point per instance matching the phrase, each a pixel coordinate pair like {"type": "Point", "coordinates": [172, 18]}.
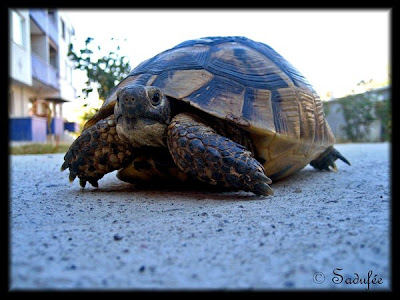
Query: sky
{"type": "Point", "coordinates": [333, 49]}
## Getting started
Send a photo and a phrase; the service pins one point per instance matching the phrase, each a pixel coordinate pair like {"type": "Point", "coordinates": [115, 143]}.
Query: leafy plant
{"type": "Point", "coordinates": [103, 73]}
{"type": "Point", "coordinates": [383, 113]}
{"type": "Point", "coordinates": [358, 111]}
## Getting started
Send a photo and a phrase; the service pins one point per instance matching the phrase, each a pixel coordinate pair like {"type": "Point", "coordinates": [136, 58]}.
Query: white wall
{"type": "Point", "coordinates": [20, 60]}
{"type": "Point", "coordinates": [67, 89]}
{"type": "Point", "coordinates": [19, 96]}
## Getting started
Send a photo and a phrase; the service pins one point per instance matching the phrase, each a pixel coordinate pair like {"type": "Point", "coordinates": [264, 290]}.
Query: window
{"type": "Point", "coordinates": [65, 70]}
{"type": "Point", "coordinates": [70, 74]}
{"type": "Point", "coordinates": [52, 15]}
{"type": "Point", "coordinates": [63, 29]}
{"type": "Point", "coordinates": [57, 110]}
{"type": "Point", "coordinates": [18, 28]}
{"type": "Point", "coordinates": [53, 57]}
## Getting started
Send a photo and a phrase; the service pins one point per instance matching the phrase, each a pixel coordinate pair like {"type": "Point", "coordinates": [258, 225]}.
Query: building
{"type": "Point", "coordinates": [336, 120]}
{"type": "Point", "coordinates": [40, 73]}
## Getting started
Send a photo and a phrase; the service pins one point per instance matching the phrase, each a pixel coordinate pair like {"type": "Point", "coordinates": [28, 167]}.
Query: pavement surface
{"type": "Point", "coordinates": [321, 230]}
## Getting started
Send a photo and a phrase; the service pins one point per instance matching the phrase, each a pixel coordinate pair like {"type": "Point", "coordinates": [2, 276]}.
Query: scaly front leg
{"type": "Point", "coordinates": [96, 152]}
{"type": "Point", "coordinates": [202, 153]}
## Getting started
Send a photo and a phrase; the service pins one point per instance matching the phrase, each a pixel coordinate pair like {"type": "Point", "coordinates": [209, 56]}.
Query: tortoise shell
{"type": "Point", "coordinates": [247, 83]}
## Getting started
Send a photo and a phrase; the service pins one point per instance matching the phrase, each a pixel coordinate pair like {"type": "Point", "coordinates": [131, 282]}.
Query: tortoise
{"type": "Point", "coordinates": [225, 111]}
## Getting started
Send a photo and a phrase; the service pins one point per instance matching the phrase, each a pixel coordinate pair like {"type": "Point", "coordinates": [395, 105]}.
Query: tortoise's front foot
{"type": "Point", "coordinates": [202, 153]}
{"type": "Point", "coordinates": [96, 152]}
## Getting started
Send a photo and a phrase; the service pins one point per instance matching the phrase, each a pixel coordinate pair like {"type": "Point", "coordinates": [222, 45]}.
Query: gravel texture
{"type": "Point", "coordinates": [122, 237]}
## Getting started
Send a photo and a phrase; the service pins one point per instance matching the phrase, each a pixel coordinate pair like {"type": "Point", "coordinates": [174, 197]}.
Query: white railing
{"type": "Point", "coordinates": [44, 72]}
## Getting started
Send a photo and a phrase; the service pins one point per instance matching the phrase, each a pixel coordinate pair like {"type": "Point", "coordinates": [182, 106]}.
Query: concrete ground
{"type": "Point", "coordinates": [321, 230]}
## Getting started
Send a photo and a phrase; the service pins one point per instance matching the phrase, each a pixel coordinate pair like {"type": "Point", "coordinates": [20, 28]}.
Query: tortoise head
{"type": "Point", "coordinates": [142, 114]}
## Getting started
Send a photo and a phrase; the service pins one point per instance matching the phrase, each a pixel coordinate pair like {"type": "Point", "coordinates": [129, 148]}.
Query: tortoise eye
{"type": "Point", "coordinates": [156, 98]}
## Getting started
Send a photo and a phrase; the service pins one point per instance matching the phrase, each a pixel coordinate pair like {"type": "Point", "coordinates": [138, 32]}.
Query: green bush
{"type": "Point", "coordinates": [358, 111]}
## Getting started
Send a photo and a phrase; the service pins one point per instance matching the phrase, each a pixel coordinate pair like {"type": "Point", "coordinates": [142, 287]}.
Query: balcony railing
{"type": "Point", "coordinates": [43, 21]}
{"type": "Point", "coordinates": [44, 72]}
{"type": "Point", "coordinates": [39, 17]}
{"type": "Point", "coordinates": [53, 31]}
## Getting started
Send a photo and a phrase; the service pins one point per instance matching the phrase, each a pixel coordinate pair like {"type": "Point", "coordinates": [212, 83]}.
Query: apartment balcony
{"type": "Point", "coordinates": [44, 72]}
{"type": "Point", "coordinates": [46, 24]}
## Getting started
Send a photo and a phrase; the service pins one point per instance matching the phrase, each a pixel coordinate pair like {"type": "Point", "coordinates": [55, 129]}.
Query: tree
{"type": "Point", "coordinates": [103, 73]}
{"type": "Point", "coordinates": [383, 113]}
{"type": "Point", "coordinates": [358, 113]}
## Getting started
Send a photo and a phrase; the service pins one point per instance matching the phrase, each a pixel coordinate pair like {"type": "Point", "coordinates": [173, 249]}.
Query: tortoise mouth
{"type": "Point", "coordinates": [137, 119]}
{"type": "Point", "coordinates": [141, 131]}
{"type": "Point", "coordinates": [149, 121]}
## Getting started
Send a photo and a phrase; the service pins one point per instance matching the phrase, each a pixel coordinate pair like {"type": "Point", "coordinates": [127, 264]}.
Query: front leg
{"type": "Point", "coordinates": [96, 152]}
{"type": "Point", "coordinates": [202, 153]}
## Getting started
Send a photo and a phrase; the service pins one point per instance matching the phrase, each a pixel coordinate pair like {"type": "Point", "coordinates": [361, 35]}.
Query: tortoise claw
{"type": "Point", "coordinates": [72, 177]}
{"type": "Point", "coordinates": [94, 183]}
{"type": "Point", "coordinates": [341, 157]}
{"type": "Point", "coordinates": [262, 178]}
{"type": "Point", "coordinates": [82, 182]}
{"type": "Point", "coordinates": [263, 189]}
{"type": "Point", "coordinates": [64, 166]}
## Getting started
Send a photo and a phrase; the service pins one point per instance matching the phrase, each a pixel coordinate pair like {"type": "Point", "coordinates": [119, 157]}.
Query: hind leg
{"type": "Point", "coordinates": [153, 166]}
{"type": "Point", "coordinates": [326, 160]}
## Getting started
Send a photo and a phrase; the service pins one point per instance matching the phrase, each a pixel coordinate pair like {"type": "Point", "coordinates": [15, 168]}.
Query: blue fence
{"type": "Point", "coordinates": [28, 129]}
{"type": "Point", "coordinates": [71, 126]}
{"type": "Point", "coordinates": [35, 129]}
{"type": "Point", "coordinates": [56, 126]}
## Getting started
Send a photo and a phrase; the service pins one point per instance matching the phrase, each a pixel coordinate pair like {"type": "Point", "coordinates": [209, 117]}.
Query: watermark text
{"type": "Point", "coordinates": [365, 280]}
